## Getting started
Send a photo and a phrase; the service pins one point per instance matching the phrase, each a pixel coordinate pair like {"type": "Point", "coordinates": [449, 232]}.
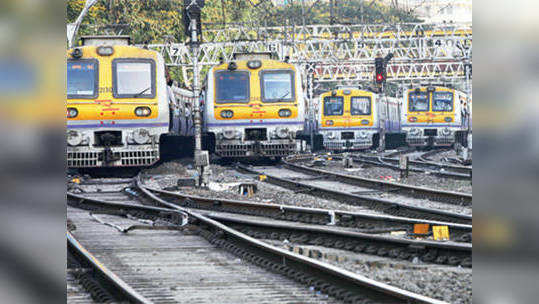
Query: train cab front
{"type": "Point", "coordinates": [115, 108]}
{"type": "Point", "coordinates": [253, 109]}
{"type": "Point", "coordinates": [430, 118]}
{"type": "Point", "coordinates": [346, 120]}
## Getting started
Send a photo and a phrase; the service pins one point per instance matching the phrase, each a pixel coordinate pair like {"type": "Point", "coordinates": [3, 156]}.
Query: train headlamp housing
{"type": "Point", "coordinates": [72, 112]}
{"type": "Point", "coordinates": [347, 92]}
{"type": "Point", "coordinates": [232, 66]}
{"type": "Point", "coordinates": [254, 64]}
{"type": "Point", "coordinates": [446, 132]}
{"type": "Point", "coordinates": [105, 50]}
{"type": "Point", "coordinates": [363, 134]}
{"type": "Point", "coordinates": [329, 123]}
{"type": "Point", "coordinates": [227, 114]}
{"type": "Point", "coordinates": [285, 113]}
{"type": "Point", "coordinates": [415, 131]}
{"type": "Point", "coordinates": [74, 138]}
{"type": "Point", "coordinates": [331, 135]}
{"type": "Point", "coordinates": [141, 136]}
{"type": "Point", "coordinates": [143, 111]}
{"type": "Point", "coordinates": [448, 119]}
{"type": "Point", "coordinates": [412, 119]}
{"type": "Point", "coordinates": [76, 53]}
{"type": "Point", "coordinates": [282, 133]}
{"type": "Point", "coordinates": [365, 122]}
{"type": "Point", "coordinates": [229, 134]}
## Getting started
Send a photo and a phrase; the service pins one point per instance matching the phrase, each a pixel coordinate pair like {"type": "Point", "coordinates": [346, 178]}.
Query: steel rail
{"type": "Point", "coordinates": [337, 282]}
{"type": "Point", "coordinates": [460, 172]}
{"type": "Point", "coordinates": [127, 292]}
{"type": "Point", "coordinates": [385, 206]}
{"type": "Point", "coordinates": [363, 221]}
{"type": "Point", "coordinates": [456, 198]}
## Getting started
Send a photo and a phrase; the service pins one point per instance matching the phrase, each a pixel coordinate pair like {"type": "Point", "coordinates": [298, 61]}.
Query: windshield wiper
{"type": "Point", "coordinates": [280, 99]}
{"type": "Point", "coordinates": [139, 94]}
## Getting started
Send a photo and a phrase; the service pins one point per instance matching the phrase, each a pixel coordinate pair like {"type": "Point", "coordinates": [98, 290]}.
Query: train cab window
{"type": "Point", "coordinates": [360, 105]}
{"type": "Point", "coordinates": [442, 101]}
{"type": "Point", "coordinates": [277, 86]}
{"type": "Point", "coordinates": [82, 79]}
{"type": "Point", "coordinates": [418, 101]}
{"type": "Point", "coordinates": [133, 78]}
{"type": "Point", "coordinates": [232, 87]}
{"type": "Point", "coordinates": [333, 106]}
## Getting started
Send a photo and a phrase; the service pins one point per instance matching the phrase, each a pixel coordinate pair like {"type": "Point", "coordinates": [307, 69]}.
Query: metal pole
{"type": "Point", "coordinates": [201, 157]}
{"type": "Point", "coordinates": [73, 28]}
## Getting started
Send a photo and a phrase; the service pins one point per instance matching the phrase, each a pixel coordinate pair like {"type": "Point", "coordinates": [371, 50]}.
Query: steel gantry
{"type": "Point", "coordinates": [334, 53]}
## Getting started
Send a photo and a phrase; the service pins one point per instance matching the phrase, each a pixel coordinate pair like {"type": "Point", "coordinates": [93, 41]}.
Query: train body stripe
{"type": "Point", "coordinates": [109, 125]}
{"type": "Point", "coordinates": [347, 129]}
{"type": "Point", "coordinates": [238, 124]}
{"type": "Point", "coordinates": [427, 125]}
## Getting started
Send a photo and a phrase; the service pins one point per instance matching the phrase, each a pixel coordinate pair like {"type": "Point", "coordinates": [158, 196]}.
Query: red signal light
{"type": "Point", "coordinates": [379, 77]}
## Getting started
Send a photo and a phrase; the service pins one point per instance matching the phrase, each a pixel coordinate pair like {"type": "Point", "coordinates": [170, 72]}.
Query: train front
{"type": "Point", "coordinates": [346, 119]}
{"type": "Point", "coordinates": [116, 106]}
{"type": "Point", "coordinates": [254, 108]}
{"type": "Point", "coordinates": [432, 116]}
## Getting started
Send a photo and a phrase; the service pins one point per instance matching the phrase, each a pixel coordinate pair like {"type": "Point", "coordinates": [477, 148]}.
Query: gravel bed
{"type": "Point", "coordinates": [398, 198]}
{"type": "Point", "coordinates": [224, 183]}
{"type": "Point", "coordinates": [387, 174]}
{"type": "Point", "coordinates": [450, 284]}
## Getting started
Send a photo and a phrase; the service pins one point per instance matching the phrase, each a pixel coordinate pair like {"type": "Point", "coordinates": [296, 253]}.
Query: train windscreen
{"type": "Point", "coordinates": [418, 101]}
{"type": "Point", "coordinates": [232, 87]}
{"type": "Point", "coordinates": [442, 101]}
{"type": "Point", "coordinates": [134, 78]}
{"type": "Point", "coordinates": [360, 105]}
{"type": "Point", "coordinates": [333, 106]}
{"type": "Point", "coordinates": [81, 79]}
{"type": "Point", "coordinates": [278, 86]}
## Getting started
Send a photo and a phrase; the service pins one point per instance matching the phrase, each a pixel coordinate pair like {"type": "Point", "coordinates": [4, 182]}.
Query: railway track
{"type": "Point", "coordinates": [89, 281]}
{"type": "Point", "coordinates": [361, 222]}
{"type": "Point", "coordinates": [432, 168]}
{"type": "Point", "coordinates": [456, 198]}
{"type": "Point", "coordinates": [381, 205]}
{"type": "Point", "coordinates": [274, 284]}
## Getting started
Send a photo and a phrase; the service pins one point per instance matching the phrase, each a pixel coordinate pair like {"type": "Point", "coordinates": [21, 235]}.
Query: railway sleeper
{"type": "Point", "coordinates": [403, 252]}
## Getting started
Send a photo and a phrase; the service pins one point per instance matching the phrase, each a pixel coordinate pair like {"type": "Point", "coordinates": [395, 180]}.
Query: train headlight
{"type": "Point", "coordinates": [412, 119]}
{"type": "Point", "coordinates": [77, 53]}
{"type": "Point", "coordinates": [448, 119]}
{"type": "Point", "coordinates": [227, 114]}
{"type": "Point", "coordinates": [365, 122]}
{"type": "Point", "coordinates": [229, 134]}
{"type": "Point", "coordinates": [446, 132]}
{"type": "Point", "coordinates": [329, 122]}
{"type": "Point", "coordinates": [74, 138]}
{"type": "Point", "coordinates": [415, 131]}
{"type": "Point", "coordinates": [331, 135]}
{"type": "Point", "coordinates": [105, 51]}
{"type": "Point", "coordinates": [254, 64]}
{"type": "Point", "coordinates": [285, 113]}
{"type": "Point", "coordinates": [143, 111]}
{"type": "Point", "coordinates": [72, 112]}
{"type": "Point", "coordinates": [141, 136]}
{"type": "Point", "coordinates": [282, 133]}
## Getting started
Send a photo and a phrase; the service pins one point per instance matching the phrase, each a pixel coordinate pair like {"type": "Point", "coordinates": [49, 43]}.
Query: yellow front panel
{"type": "Point", "coordinates": [255, 108]}
{"type": "Point", "coordinates": [105, 106]}
{"type": "Point", "coordinates": [431, 116]}
{"type": "Point", "coordinates": [347, 119]}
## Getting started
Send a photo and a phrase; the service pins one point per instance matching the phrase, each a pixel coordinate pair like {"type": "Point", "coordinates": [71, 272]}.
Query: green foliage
{"type": "Point", "coordinates": [151, 21]}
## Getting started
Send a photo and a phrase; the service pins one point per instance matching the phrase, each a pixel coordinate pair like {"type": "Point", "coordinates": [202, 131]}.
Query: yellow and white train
{"type": "Point", "coordinates": [435, 116]}
{"type": "Point", "coordinates": [117, 106]}
{"type": "Point", "coordinates": [354, 119]}
{"type": "Point", "coordinates": [254, 107]}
